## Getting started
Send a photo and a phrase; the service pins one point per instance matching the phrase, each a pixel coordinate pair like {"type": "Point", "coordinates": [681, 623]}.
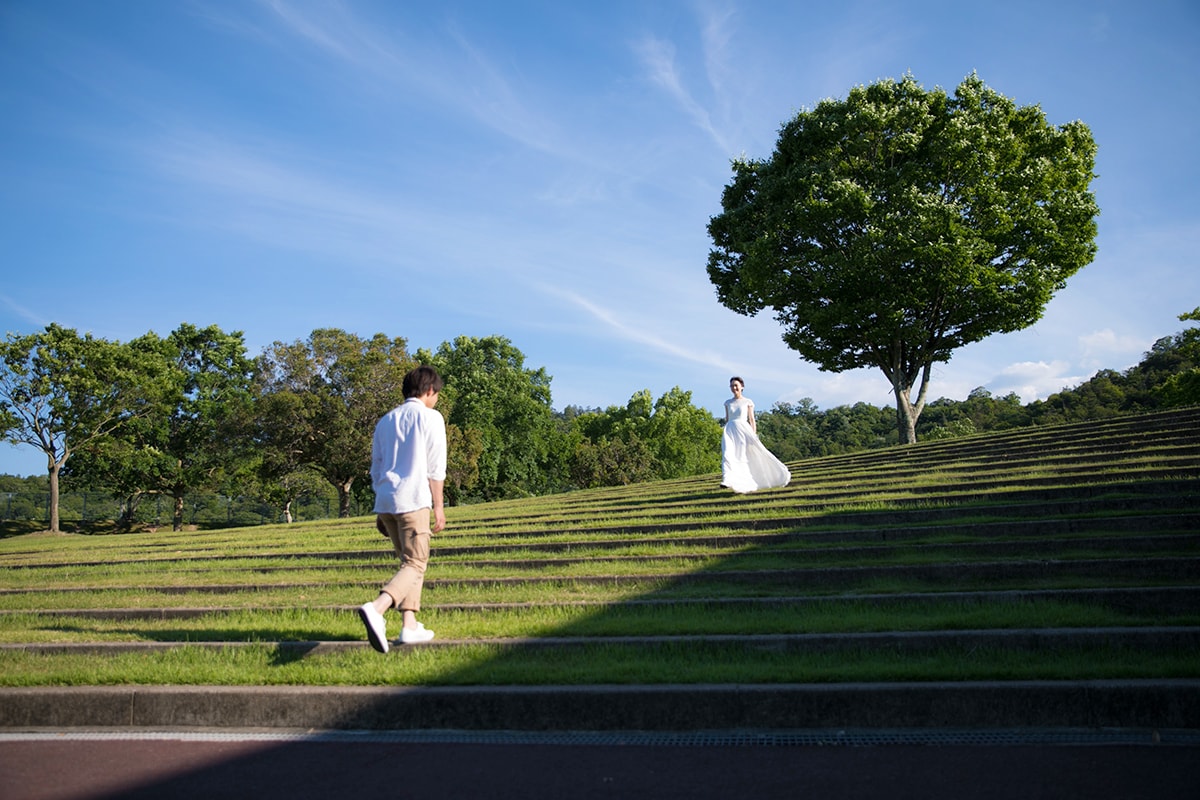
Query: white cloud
{"type": "Point", "coordinates": [639, 334]}
{"type": "Point", "coordinates": [658, 55]}
{"type": "Point", "coordinates": [24, 313]}
{"type": "Point", "coordinates": [1034, 380]}
{"type": "Point", "coordinates": [1104, 348]}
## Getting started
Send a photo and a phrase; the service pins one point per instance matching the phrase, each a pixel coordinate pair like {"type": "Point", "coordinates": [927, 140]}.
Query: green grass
{"type": "Point", "coordinates": [603, 663]}
{"type": "Point", "coordinates": [681, 619]}
{"type": "Point", "coordinates": [669, 559]}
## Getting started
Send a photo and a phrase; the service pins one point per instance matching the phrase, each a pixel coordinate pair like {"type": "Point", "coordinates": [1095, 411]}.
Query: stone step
{"type": "Point", "coordinates": [1153, 706]}
{"type": "Point", "coordinates": [1031, 640]}
{"type": "Point", "coordinates": [1120, 570]}
{"type": "Point", "coordinates": [1177, 599]}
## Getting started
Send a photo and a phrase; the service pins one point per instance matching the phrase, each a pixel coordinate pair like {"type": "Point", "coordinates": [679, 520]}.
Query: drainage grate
{"type": "Point", "coordinates": [798, 738]}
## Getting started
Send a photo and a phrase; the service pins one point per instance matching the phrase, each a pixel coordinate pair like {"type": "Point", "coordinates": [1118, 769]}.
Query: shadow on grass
{"type": "Point", "coordinates": [483, 710]}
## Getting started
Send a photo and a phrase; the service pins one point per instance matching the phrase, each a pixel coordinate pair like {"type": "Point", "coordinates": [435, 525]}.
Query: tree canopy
{"type": "Point", "coordinates": [189, 438]}
{"type": "Point", "coordinates": [318, 401]}
{"type": "Point", "coordinates": [503, 411]}
{"type": "Point", "coordinates": [62, 393]}
{"type": "Point", "coordinates": [893, 227]}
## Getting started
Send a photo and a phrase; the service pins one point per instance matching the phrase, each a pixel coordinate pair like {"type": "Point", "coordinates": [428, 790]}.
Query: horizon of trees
{"type": "Point", "coordinates": [191, 415]}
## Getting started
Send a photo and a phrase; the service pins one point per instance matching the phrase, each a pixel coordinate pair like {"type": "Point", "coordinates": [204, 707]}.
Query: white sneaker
{"type": "Point", "coordinates": [376, 627]}
{"type": "Point", "coordinates": [415, 635]}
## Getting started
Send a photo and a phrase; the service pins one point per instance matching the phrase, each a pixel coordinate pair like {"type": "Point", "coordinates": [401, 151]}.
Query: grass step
{"type": "Point", "coordinates": [1060, 553]}
{"type": "Point", "coordinates": [1148, 600]}
{"type": "Point", "coordinates": [1145, 639]}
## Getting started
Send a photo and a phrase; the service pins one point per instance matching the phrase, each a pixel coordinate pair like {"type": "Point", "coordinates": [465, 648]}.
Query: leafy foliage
{"type": "Point", "coordinates": [495, 400]}
{"type": "Point", "coordinates": [64, 393]}
{"type": "Point", "coordinates": [893, 227]}
{"type": "Point", "coordinates": [645, 440]}
{"type": "Point", "coordinates": [191, 439]}
{"type": "Point", "coordinates": [318, 401]}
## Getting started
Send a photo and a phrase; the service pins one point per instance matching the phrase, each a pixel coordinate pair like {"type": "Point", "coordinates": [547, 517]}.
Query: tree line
{"type": "Point", "coordinates": [192, 414]}
{"type": "Point", "coordinates": [1168, 376]}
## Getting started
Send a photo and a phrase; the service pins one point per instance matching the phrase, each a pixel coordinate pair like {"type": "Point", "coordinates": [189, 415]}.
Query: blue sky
{"type": "Point", "coordinates": [540, 170]}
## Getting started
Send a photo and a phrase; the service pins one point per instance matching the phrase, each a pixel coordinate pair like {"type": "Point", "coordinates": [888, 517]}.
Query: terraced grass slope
{"type": "Point", "coordinates": [1039, 557]}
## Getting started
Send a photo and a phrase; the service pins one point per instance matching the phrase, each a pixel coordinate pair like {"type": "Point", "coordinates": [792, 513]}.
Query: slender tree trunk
{"type": "Point", "coordinates": [906, 421]}
{"type": "Point", "coordinates": [907, 413]}
{"type": "Point", "coordinates": [344, 498]}
{"type": "Point", "coordinates": [177, 516]}
{"type": "Point", "coordinates": [52, 469]}
{"type": "Point", "coordinates": [128, 509]}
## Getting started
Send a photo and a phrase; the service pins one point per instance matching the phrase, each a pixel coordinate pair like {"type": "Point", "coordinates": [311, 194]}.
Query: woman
{"type": "Point", "coordinates": [746, 464]}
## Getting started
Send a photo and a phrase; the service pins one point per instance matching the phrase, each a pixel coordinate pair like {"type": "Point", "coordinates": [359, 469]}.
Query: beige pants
{"type": "Point", "coordinates": [410, 536]}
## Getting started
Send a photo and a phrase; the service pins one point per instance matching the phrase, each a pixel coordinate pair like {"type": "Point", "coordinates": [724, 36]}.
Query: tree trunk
{"type": "Point", "coordinates": [287, 512]}
{"type": "Point", "coordinates": [128, 508]}
{"type": "Point", "coordinates": [52, 469]}
{"type": "Point", "coordinates": [907, 413]}
{"type": "Point", "coordinates": [906, 421]}
{"type": "Point", "coordinates": [177, 516]}
{"type": "Point", "coordinates": [344, 498]}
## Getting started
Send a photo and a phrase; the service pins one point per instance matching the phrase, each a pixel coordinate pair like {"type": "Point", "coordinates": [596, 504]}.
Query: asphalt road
{"type": "Point", "coordinates": [226, 765]}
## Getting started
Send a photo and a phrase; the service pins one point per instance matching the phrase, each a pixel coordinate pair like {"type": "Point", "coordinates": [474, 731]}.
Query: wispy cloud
{"type": "Point", "coordinates": [658, 56]}
{"type": "Point", "coordinates": [447, 67]}
{"type": "Point", "coordinates": [637, 333]}
{"type": "Point", "coordinates": [1100, 348]}
{"type": "Point", "coordinates": [1034, 380]}
{"type": "Point", "coordinates": [24, 313]}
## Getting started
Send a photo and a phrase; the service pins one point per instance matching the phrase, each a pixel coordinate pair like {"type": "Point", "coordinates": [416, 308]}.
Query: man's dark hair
{"type": "Point", "coordinates": [421, 380]}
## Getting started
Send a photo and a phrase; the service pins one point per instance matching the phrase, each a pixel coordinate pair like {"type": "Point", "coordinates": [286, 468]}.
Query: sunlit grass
{"type": "Point", "coordinates": [613, 619]}
{"type": "Point", "coordinates": [860, 543]}
{"type": "Point", "coordinates": [603, 663]}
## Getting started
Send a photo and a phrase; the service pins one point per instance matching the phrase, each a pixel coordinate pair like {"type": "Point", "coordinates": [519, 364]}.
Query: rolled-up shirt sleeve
{"type": "Point", "coordinates": [436, 447]}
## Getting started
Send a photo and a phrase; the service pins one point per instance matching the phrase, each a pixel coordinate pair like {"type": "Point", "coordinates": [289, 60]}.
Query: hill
{"type": "Point", "coordinates": [1041, 577]}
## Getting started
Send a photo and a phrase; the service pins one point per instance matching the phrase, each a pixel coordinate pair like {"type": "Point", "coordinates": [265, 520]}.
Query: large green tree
{"type": "Point", "coordinates": [893, 227]}
{"type": "Point", "coordinates": [65, 393]}
{"type": "Point", "coordinates": [192, 440]}
{"type": "Point", "coordinates": [645, 440]}
{"type": "Point", "coordinates": [503, 408]}
{"type": "Point", "coordinates": [318, 400]}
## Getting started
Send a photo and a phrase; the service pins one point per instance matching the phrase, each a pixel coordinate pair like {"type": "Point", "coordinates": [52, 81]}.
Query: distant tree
{"type": "Point", "coordinates": [464, 447]}
{"type": "Point", "coordinates": [893, 227]}
{"type": "Point", "coordinates": [791, 430]}
{"type": "Point", "coordinates": [492, 393]}
{"type": "Point", "coordinates": [284, 489]}
{"type": "Point", "coordinates": [612, 462]}
{"type": "Point", "coordinates": [646, 439]}
{"type": "Point", "coordinates": [1183, 387]}
{"type": "Point", "coordinates": [685, 439]}
{"type": "Point", "coordinates": [318, 400]}
{"type": "Point", "coordinates": [193, 439]}
{"type": "Point", "coordinates": [861, 426]}
{"type": "Point", "coordinates": [988, 413]}
{"type": "Point", "coordinates": [64, 393]}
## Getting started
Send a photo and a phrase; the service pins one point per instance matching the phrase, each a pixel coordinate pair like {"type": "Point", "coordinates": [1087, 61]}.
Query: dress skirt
{"type": "Point", "coordinates": [746, 463]}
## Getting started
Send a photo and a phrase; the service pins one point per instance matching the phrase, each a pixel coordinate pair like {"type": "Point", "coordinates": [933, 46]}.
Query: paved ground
{"type": "Point", "coordinates": [1094, 739]}
{"type": "Point", "coordinates": [129, 764]}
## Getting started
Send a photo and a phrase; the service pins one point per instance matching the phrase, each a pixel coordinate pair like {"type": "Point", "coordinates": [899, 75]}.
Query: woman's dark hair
{"type": "Point", "coordinates": [739, 380]}
{"type": "Point", "coordinates": [419, 381]}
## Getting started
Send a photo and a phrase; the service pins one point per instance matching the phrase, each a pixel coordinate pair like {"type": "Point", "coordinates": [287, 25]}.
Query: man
{"type": "Point", "coordinates": [408, 472]}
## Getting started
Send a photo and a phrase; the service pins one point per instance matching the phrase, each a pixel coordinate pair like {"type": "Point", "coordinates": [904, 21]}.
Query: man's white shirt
{"type": "Point", "coordinates": [408, 449]}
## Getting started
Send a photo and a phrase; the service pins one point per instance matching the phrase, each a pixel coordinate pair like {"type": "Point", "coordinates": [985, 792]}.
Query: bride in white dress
{"type": "Point", "coordinates": [746, 463]}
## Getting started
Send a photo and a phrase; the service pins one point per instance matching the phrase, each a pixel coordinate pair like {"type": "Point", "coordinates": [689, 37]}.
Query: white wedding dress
{"type": "Point", "coordinates": [746, 463]}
